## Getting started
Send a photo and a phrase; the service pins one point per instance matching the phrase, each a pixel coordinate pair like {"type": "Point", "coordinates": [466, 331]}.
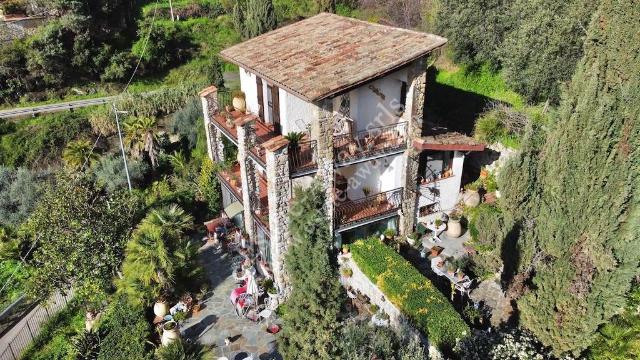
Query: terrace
{"type": "Point", "coordinates": [350, 213]}
{"type": "Point", "coordinates": [302, 158]}
{"type": "Point", "coordinates": [369, 144]}
{"type": "Point", "coordinates": [230, 178]}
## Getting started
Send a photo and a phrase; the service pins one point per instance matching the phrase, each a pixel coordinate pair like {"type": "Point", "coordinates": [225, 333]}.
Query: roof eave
{"type": "Point", "coordinates": [341, 89]}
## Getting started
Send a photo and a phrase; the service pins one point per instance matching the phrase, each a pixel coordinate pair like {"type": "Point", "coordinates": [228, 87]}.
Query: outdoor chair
{"type": "Point", "coordinates": [465, 287]}
{"type": "Point", "coordinates": [264, 315]}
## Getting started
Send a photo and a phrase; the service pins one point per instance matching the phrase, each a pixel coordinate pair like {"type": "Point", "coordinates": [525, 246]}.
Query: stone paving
{"type": "Point", "coordinates": [218, 320]}
{"type": "Point", "coordinates": [489, 293]}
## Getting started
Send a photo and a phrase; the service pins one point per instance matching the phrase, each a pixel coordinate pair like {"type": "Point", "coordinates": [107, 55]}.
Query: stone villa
{"type": "Point", "coordinates": [356, 91]}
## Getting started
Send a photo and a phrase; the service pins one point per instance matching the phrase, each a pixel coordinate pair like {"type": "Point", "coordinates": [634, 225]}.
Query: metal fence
{"type": "Point", "coordinates": [16, 340]}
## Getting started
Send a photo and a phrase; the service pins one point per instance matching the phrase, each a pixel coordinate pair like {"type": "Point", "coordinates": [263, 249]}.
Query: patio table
{"type": "Point", "coordinates": [437, 230]}
{"type": "Point", "coordinates": [452, 278]}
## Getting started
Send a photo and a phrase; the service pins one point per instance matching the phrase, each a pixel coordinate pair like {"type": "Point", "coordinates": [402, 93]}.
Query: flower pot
{"type": "Point", "coordinates": [160, 309]}
{"type": "Point", "coordinates": [454, 228]}
{"type": "Point", "coordinates": [471, 198]}
{"type": "Point", "coordinates": [411, 241]}
{"type": "Point", "coordinates": [239, 103]}
{"type": "Point", "coordinates": [170, 333]}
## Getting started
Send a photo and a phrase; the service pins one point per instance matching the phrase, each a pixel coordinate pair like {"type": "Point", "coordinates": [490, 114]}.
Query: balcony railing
{"type": "Point", "coordinates": [303, 157]}
{"type": "Point", "coordinates": [370, 142]}
{"type": "Point", "coordinates": [259, 202]}
{"type": "Point", "coordinates": [353, 212]}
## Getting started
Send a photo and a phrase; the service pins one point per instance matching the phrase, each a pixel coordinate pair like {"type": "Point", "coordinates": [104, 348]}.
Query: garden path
{"type": "Point", "coordinates": [218, 320]}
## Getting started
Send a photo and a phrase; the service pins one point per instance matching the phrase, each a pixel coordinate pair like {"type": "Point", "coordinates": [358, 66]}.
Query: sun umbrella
{"type": "Point", "coordinates": [252, 285]}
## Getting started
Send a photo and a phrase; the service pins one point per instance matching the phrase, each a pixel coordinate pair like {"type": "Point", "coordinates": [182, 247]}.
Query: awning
{"type": "Point", "coordinates": [233, 209]}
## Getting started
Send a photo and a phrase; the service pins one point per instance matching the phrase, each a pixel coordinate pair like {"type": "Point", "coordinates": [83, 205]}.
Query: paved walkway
{"type": "Point", "coordinates": [490, 293]}
{"type": "Point", "coordinates": [218, 319]}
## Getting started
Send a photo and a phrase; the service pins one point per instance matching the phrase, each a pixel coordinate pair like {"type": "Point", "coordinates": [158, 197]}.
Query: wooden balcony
{"type": "Point", "coordinates": [353, 212]}
{"type": "Point", "coordinates": [370, 143]}
{"type": "Point", "coordinates": [230, 178]}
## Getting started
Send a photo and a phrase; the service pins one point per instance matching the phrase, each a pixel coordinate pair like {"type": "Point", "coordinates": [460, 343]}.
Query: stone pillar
{"type": "Point", "coordinates": [279, 190]}
{"type": "Point", "coordinates": [322, 130]}
{"type": "Point", "coordinates": [413, 114]}
{"type": "Point", "coordinates": [209, 98]}
{"type": "Point", "coordinates": [247, 175]}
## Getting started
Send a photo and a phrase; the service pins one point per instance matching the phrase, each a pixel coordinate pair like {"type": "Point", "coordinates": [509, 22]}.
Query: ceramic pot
{"type": "Point", "coordinates": [239, 103]}
{"type": "Point", "coordinates": [170, 333]}
{"type": "Point", "coordinates": [454, 229]}
{"type": "Point", "coordinates": [471, 198]}
{"type": "Point", "coordinates": [160, 309]}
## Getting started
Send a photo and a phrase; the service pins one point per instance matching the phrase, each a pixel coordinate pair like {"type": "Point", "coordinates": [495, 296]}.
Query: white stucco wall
{"type": "Point", "coordinates": [448, 188]}
{"type": "Point", "coordinates": [385, 175]}
{"type": "Point", "coordinates": [248, 86]}
{"type": "Point", "coordinates": [369, 108]}
{"type": "Point", "coordinates": [295, 113]}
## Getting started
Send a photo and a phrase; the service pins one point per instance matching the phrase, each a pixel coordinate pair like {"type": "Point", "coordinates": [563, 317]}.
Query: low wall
{"type": "Point", "coordinates": [360, 282]}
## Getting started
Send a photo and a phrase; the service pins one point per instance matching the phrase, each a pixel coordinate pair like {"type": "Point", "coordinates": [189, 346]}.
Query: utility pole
{"type": "Point", "coordinates": [124, 155]}
{"type": "Point", "coordinates": [171, 9]}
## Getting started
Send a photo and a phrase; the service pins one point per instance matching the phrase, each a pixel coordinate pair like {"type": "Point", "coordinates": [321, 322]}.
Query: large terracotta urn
{"type": "Point", "coordinates": [471, 198]}
{"type": "Point", "coordinates": [160, 309]}
{"type": "Point", "coordinates": [239, 103]}
{"type": "Point", "coordinates": [170, 333]}
{"type": "Point", "coordinates": [454, 228]}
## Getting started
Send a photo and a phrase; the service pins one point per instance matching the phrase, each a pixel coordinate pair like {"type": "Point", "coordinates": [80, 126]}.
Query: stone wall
{"type": "Point", "coordinates": [247, 176]}
{"type": "Point", "coordinates": [413, 114]}
{"type": "Point", "coordinates": [322, 131]}
{"type": "Point", "coordinates": [209, 99]}
{"type": "Point", "coordinates": [279, 190]}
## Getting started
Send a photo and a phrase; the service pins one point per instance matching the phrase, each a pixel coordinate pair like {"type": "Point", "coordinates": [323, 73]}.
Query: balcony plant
{"type": "Point", "coordinates": [366, 190]}
{"type": "Point", "coordinates": [294, 138]}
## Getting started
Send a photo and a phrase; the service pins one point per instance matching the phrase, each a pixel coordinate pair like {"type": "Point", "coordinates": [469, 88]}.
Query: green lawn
{"type": "Point", "coordinates": [483, 82]}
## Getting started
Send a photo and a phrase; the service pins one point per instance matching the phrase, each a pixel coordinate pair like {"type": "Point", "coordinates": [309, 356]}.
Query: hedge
{"type": "Point", "coordinates": [410, 291]}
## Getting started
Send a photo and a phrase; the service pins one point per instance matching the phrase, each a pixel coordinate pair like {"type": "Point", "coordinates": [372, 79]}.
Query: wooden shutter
{"type": "Point", "coordinates": [275, 93]}
{"type": "Point", "coordinates": [260, 91]}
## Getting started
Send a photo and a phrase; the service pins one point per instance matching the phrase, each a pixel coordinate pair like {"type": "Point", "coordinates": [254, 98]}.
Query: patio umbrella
{"type": "Point", "coordinates": [252, 285]}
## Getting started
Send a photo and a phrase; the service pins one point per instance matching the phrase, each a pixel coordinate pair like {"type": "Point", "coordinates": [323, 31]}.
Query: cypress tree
{"type": "Point", "coordinates": [311, 320]}
{"type": "Point", "coordinates": [254, 17]}
{"type": "Point", "coordinates": [583, 213]}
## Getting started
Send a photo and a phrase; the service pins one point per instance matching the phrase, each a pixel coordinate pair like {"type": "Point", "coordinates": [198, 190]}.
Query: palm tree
{"type": "Point", "coordinates": [78, 153]}
{"type": "Point", "coordinates": [178, 162]}
{"type": "Point", "coordinates": [141, 137]}
{"type": "Point", "coordinates": [148, 268]}
{"type": "Point", "coordinates": [173, 220]}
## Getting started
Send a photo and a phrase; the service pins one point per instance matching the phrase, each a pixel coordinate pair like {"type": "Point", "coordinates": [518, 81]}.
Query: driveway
{"type": "Point", "coordinates": [218, 319]}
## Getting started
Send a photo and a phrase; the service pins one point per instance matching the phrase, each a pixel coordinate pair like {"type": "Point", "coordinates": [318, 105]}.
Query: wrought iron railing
{"type": "Point", "coordinates": [224, 99]}
{"type": "Point", "coordinates": [303, 157]}
{"type": "Point", "coordinates": [258, 134]}
{"type": "Point", "coordinates": [370, 142]}
{"type": "Point", "coordinates": [352, 212]}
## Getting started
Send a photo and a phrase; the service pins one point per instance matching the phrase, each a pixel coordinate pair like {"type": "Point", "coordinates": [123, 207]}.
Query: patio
{"type": "Point", "coordinates": [218, 321]}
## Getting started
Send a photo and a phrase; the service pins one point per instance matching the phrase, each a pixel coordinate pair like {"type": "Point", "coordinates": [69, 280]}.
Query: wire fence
{"type": "Point", "coordinates": [16, 340]}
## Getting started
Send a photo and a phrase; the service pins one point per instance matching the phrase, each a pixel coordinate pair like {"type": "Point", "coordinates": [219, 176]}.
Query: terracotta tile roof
{"type": "Point", "coordinates": [325, 54]}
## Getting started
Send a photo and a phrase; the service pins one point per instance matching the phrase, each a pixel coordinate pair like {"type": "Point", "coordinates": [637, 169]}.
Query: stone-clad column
{"type": "Point", "coordinates": [279, 190]}
{"type": "Point", "coordinates": [247, 175]}
{"type": "Point", "coordinates": [413, 114]}
{"type": "Point", "coordinates": [322, 130]}
{"type": "Point", "coordinates": [209, 98]}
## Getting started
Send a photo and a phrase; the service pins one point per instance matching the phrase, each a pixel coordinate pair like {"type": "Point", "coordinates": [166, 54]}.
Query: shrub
{"type": "Point", "coordinates": [187, 121]}
{"type": "Point", "coordinates": [503, 344]}
{"type": "Point", "coordinates": [120, 67]}
{"type": "Point", "coordinates": [168, 45]}
{"type": "Point", "coordinates": [109, 173]}
{"type": "Point", "coordinates": [209, 187]}
{"type": "Point", "coordinates": [102, 121]}
{"type": "Point", "coordinates": [19, 193]}
{"type": "Point", "coordinates": [127, 332]}
{"type": "Point", "coordinates": [39, 143]}
{"type": "Point", "coordinates": [162, 101]}
{"type": "Point", "coordinates": [410, 291]}
{"type": "Point", "coordinates": [14, 6]}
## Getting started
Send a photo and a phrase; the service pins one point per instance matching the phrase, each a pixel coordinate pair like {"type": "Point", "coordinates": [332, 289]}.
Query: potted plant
{"type": "Point", "coordinates": [345, 249]}
{"type": "Point", "coordinates": [471, 195]}
{"type": "Point", "coordinates": [451, 268]}
{"type": "Point", "coordinates": [412, 238]}
{"type": "Point", "coordinates": [239, 102]}
{"type": "Point", "coordinates": [229, 120]}
{"type": "Point", "coordinates": [346, 272]}
{"type": "Point", "coordinates": [294, 138]}
{"type": "Point", "coordinates": [389, 234]}
{"type": "Point", "coordinates": [435, 251]}
{"type": "Point", "coordinates": [454, 228]}
{"type": "Point", "coordinates": [160, 308]}
{"type": "Point", "coordinates": [200, 296]}
{"type": "Point", "coordinates": [234, 180]}
{"type": "Point", "coordinates": [270, 289]}
{"type": "Point", "coordinates": [170, 333]}
{"type": "Point", "coordinates": [438, 223]}
{"type": "Point", "coordinates": [366, 190]}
